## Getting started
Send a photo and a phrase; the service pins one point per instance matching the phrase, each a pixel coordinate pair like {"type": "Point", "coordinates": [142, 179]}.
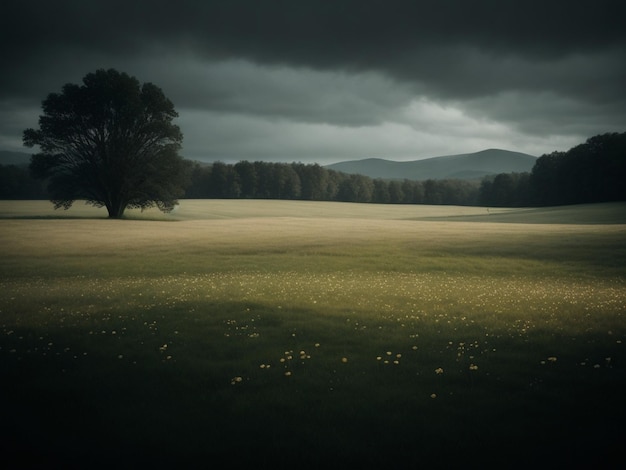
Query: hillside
{"type": "Point", "coordinates": [14, 158]}
{"type": "Point", "coordinates": [463, 166]}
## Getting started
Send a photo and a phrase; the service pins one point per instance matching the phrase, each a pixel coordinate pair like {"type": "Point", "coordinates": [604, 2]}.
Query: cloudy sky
{"type": "Point", "coordinates": [330, 80]}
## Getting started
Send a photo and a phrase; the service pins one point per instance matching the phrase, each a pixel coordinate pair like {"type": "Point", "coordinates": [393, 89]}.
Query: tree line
{"type": "Point", "coordinates": [263, 180]}
{"type": "Point", "coordinates": [112, 142]}
{"type": "Point", "coordinates": [594, 171]}
{"type": "Point", "coordinates": [16, 182]}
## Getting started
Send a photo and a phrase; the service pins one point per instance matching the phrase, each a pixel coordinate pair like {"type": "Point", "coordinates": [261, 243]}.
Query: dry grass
{"type": "Point", "coordinates": [610, 213]}
{"type": "Point", "coordinates": [283, 235]}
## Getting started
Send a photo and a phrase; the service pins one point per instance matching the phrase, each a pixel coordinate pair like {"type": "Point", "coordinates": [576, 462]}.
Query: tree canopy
{"type": "Point", "coordinates": [591, 172]}
{"type": "Point", "coordinates": [312, 182]}
{"type": "Point", "coordinates": [111, 142]}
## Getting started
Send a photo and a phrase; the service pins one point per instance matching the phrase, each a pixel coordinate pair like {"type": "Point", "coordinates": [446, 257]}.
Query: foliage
{"type": "Point", "coordinates": [505, 190]}
{"type": "Point", "coordinates": [591, 172]}
{"type": "Point", "coordinates": [312, 182]}
{"type": "Point", "coordinates": [588, 173]}
{"type": "Point", "coordinates": [594, 171]}
{"type": "Point", "coordinates": [17, 183]}
{"type": "Point", "coordinates": [111, 142]}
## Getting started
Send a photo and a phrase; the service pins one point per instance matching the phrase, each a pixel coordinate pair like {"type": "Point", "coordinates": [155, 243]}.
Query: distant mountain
{"type": "Point", "coordinates": [463, 166]}
{"type": "Point", "coordinates": [14, 158]}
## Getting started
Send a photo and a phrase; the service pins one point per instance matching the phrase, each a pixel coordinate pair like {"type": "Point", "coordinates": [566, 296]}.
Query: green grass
{"type": "Point", "coordinates": [278, 333]}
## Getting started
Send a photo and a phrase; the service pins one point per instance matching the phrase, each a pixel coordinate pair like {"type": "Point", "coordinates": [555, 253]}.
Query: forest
{"type": "Point", "coordinates": [262, 180]}
{"type": "Point", "coordinates": [593, 171]}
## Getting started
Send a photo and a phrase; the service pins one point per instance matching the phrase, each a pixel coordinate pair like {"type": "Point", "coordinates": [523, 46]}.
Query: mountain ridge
{"type": "Point", "coordinates": [459, 166]}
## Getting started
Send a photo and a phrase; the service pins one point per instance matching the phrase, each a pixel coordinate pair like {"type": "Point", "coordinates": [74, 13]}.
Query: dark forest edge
{"type": "Point", "coordinates": [591, 172]}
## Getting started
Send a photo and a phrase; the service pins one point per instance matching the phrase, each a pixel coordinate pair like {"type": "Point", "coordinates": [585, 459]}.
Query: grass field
{"type": "Point", "coordinates": [294, 333]}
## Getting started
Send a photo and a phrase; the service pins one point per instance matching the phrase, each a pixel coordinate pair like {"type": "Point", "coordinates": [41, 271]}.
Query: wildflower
{"type": "Point", "coordinates": [344, 359]}
{"type": "Point", "coordinates": [438, 371]}
{"type": "Point", "coordinates": [552, 359]}
{"type": "Point", "coordinates": [473, 367]}
{"type": "Point", "coordinates": [287, 373]}
{"type": "Point", "coordinates": [433, 395]}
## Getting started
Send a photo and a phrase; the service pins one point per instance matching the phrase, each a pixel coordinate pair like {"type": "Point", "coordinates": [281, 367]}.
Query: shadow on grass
{"type": "Point", "coordinates": [583, 214]}
{"type": "Point", "coordinates": [87, 217]}
{"type": "Point", "coordinates": [140, 408]}
{"type": "Point", "coordinates": [50, 217]}
{"type": "Point", "coordinates": [43, 210]}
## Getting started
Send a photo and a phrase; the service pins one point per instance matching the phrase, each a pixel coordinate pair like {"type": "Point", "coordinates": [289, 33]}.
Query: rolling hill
{"type": "Point", "coordinates": [462, 166]}
{"type": "Point", "coordinates": [8, 157]}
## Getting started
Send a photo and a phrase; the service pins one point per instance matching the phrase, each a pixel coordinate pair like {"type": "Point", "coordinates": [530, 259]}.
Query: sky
{"type": "Point", "coordinates": [322, 81]}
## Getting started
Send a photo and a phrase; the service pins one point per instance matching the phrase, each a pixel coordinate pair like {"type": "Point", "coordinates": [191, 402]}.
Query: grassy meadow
{"type": "Point", "coordinates": [295, 333]}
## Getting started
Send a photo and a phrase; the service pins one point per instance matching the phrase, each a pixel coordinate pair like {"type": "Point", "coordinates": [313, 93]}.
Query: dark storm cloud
{"type": "Point", "coordinates": [450, 45]}
{"type": "Point", "coordinates": [281, 92]}
{"type": "Point", "coordinates": [536, 67]}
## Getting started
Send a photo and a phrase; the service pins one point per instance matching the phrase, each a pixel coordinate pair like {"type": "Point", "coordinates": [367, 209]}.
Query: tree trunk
{"type": "Point", "coordinates": [116, 209]}
{"type": "Point", "coordinates": [116, 214]}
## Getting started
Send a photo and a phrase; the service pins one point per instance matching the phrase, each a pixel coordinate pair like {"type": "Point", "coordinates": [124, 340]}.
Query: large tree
{"type": "Point", "coordinates": [110, 142]}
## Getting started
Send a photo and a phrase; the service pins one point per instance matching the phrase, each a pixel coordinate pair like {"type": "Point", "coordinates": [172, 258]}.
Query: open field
{"type": "Point", "coordinates": [290, 333]}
